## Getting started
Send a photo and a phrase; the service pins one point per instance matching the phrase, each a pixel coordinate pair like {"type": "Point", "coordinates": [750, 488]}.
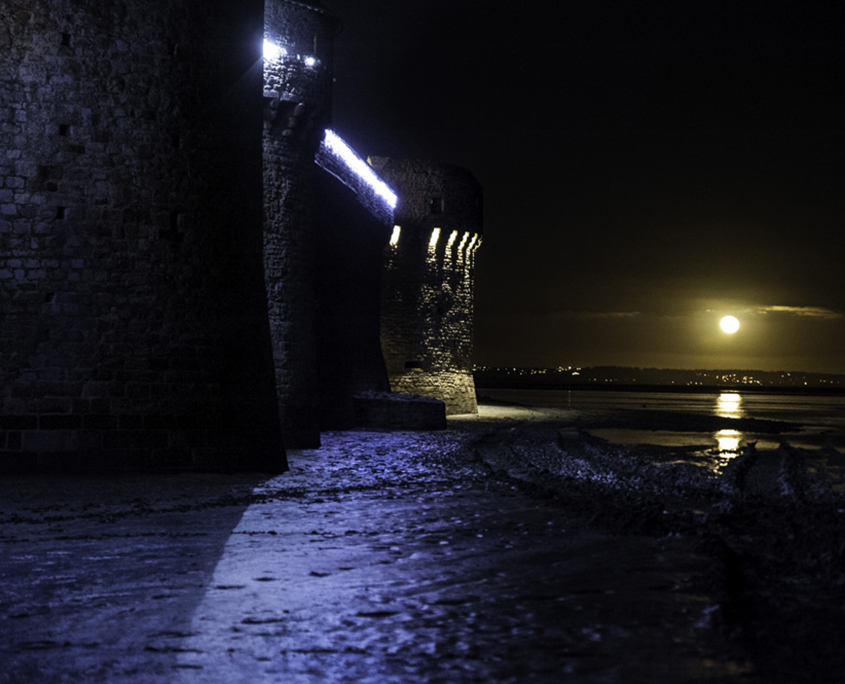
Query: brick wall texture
{"type": "Point", "coordinates": [297, 110]}
{"type": "Point", "coordinates": [181, 285]}
{"type": "Point", "coordinates": [427, 293]}
{"type": "Point", "coordinates": [133, 323]}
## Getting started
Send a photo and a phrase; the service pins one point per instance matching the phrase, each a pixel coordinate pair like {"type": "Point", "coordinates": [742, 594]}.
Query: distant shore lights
{"type": "Point", "coordinates": [394, 237]}
{"type": "Point", "coordinates": [358, 166]}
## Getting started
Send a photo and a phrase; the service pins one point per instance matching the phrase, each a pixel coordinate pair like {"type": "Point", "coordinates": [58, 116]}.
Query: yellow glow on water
{"type": "Point", "coordinates": [728, 440]}
{"type": "Point", "coordinates": [729, 405]}
{"type": "Point", "coordinates": [394, 237]}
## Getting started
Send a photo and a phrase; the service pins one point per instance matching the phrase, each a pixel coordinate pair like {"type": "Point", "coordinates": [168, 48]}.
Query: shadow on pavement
{"type": "Point", "coordinates": [101, 576]}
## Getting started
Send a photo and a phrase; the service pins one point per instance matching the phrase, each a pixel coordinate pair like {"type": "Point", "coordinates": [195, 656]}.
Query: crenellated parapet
{"type": "Point", "coordinates": [427, 291]}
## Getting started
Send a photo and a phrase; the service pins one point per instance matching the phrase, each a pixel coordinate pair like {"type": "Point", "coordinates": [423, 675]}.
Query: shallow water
{"type": "Point", "coordinates": [821, 419]}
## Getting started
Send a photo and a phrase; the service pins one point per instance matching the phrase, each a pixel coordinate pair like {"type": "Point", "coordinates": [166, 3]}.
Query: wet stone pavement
{"type": "Point", "coordinates": [381, 557]}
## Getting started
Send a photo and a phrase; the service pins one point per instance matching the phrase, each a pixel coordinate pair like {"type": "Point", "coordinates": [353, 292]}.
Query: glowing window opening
{"type": "Point", "coordinates": [359, 167]}
{"type": "Point", "coordinates": [435, 236]}
{"type": "Point", "coordinates": [394, 238]}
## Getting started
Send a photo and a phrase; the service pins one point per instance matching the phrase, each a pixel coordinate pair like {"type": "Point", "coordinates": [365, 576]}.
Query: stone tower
{"type": "Point", "coordinates": [133, 328]}
{"type": "Point", "coordinates": [297, 109]}
{"type": "Point", "coordinates": [191, 263]}
{"type": "Point", "coordinates": [427, 292]}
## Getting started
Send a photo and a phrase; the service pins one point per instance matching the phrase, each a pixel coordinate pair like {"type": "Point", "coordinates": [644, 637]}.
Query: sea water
{"type": "Point", "coordinates": [818, 420]}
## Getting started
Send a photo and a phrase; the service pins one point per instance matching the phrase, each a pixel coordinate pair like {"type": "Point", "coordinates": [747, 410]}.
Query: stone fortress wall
{"type": "Point", "coordinates": [133, 323]}
{"type": "Point", "coordinates": [297, 110]}
{"type": "Point", "coordinates": [427, 302]}
{"type": "Point", "coordinates": [181, 285]}
{"type": "Point", "coordinates": [354, 225]}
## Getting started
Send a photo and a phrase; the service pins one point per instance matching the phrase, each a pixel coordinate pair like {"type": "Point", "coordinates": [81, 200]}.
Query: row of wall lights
{"type": "Point", "coordinates": [474, 242]}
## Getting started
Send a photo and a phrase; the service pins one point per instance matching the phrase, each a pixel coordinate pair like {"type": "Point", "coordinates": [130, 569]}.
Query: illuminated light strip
{"type": "Point", "coordinates": [452, 238]}
{"type": "Point", "coordinates": [471, 243]}
{"type": "Point", "coordinates": [394, 238]}
{"type": "Point", "coordinates": [463, 241]}
{"type": "Point", "coordinates": [477, 245]}
{"type": "Point", "coordinates": [358, 166]}
{"type": "Point", "coordinates": [435, 236]}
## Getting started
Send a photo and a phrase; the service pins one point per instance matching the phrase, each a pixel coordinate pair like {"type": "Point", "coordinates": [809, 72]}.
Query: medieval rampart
{"type": "Point", "coordinates": [427, 294]}
{"type": "Point", "coordinates": [191, 264]}
{"type": "Point", "coordinates": [133, 328]}
{"type": "Point", "coordinates": [297, 110]}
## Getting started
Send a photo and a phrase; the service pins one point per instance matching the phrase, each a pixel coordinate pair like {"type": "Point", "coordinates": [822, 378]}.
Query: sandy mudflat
{"type": "Point", "coordinates": [510, 548]}
{"type": "Point", "coordinates": [774, 519]}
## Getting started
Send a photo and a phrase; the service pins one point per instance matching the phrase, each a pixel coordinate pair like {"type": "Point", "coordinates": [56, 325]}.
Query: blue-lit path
{"type": "Point", "coordinates": [379, 558]}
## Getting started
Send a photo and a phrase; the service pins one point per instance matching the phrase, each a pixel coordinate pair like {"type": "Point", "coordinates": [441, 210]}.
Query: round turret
{"type": "Point", "coordinates": [297, 110]}
{"type": "Point", "coordinates": [427, 286]}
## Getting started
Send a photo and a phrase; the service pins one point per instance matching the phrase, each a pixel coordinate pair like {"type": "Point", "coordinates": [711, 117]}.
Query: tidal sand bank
{"type": "Point", "coordinates": [452, 556]}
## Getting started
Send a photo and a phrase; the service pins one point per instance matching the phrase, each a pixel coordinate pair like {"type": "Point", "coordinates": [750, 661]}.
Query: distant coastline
{"type": "Point", "coordinates": [617, 378]}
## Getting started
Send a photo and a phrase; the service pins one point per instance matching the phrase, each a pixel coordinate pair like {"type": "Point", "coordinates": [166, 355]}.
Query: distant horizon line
{"type": "Point", "coordinates": [735, 369]}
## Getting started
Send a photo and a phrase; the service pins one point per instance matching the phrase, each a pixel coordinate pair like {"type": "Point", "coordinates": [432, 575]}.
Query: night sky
{"type": "Point", "coordinates": [648, 167]}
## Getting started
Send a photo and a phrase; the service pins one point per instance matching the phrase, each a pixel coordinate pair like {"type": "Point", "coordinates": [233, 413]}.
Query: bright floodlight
{"type": "Point", "coordinates": [310, 61]}
{"type": "Point", "coordinates": [341, 150]}
{"type": "Point", "coordinates": [272, 51]}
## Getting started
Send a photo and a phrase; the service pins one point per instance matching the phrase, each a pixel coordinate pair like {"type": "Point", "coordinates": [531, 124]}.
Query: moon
{"type": "Point", "coordinates": [729, 324]}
